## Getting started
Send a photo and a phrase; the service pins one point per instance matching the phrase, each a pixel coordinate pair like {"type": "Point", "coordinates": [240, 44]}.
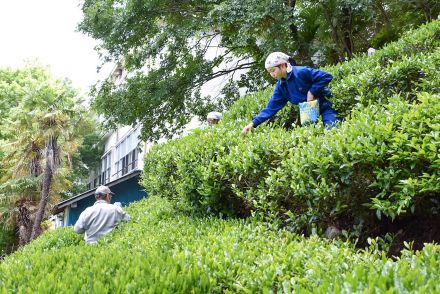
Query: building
{"type": "Point", "coordinates": [120, 169]}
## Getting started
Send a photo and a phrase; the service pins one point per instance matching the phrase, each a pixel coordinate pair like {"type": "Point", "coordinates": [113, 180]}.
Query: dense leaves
{"type": "Point", "coordinates": [381, 160]}
{"type": "Point", "coordinates": [172, 49]}
{"type": "Point", "coordinates": [42, 128]}
{"type": "Point", "coordinates": [163, 250]}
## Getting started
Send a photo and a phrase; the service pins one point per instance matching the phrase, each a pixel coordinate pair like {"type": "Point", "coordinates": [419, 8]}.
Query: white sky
{"type": "Point", "coordinates": [45, 30]}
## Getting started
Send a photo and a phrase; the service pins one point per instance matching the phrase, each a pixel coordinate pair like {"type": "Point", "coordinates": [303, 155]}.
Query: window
{"type": "Point", "coordinates": [105, 169]}
{"type": "Point", "coordinates": [127, 154]}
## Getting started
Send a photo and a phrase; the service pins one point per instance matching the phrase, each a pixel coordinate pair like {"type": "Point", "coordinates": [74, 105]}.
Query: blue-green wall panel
{"type": "Point", "coordinates": [126, 192]}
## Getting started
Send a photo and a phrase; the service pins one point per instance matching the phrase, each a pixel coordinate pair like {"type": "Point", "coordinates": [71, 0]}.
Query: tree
{"type": "Point", "coordinates": [171, 49]}
{"type": "Point", "coordinates": [86, 159]}
{"type": "Point", "coordinates": [173, 40]}
{"type": "Point", "coordinates": [43, 133]}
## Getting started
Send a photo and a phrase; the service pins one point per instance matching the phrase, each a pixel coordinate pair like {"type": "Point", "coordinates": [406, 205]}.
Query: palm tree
{"type": "Point", "coordinates": [46, 128]}
{"type": "Point", "coordinates": [22, 173]}
{"type": "Point", "coordinates": [58, 131]}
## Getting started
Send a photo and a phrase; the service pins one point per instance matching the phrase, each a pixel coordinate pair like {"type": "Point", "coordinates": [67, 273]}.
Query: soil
{"type": "Point", "coordinates": [419, 230]}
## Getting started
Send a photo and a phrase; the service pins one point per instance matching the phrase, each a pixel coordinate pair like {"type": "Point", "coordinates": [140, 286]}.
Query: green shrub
{"type": "Point", "coordinates": [425, 39]}
{"type": "Point", "coordinates": [310, 177]}
{"type": "Point", "coordinates": [376, 83]}
{"type": "Point", "coordinates": [383, 158]}
{"type": "Point", "coordinates": [164, 251]}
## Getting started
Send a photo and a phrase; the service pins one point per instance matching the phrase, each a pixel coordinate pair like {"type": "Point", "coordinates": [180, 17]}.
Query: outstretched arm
{"type": "Point", "coordinates": [276, 102]}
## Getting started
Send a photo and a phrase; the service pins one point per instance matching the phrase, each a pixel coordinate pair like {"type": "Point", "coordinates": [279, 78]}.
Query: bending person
{"type": "Point", "coordinates": [295, 84]}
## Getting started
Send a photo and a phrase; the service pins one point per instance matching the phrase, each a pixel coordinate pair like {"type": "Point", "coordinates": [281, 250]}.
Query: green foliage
{"type": "Point", "coordinates": [406, 66]}
{"type": "Point", "coordinates": [381, 160]}
{"type": "Point", "coordinates": [171, 49]}
{"type": "Point", "coordinates": [311, 175]}
{"type": "Point", "coordinates": [163, 250]}
{"type": "Point", "coordinates": [384, 153]}
{"type": "Point", "coordinates": [86, 159]}
{"type": "Point", "coordinates": [42, 128]}
{"type": "Point", "coordinates": [7, 240]}
{"type": "Point", "coordinates": [45, 108]}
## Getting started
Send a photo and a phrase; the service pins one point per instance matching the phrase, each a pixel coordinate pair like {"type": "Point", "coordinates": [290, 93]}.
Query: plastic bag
{"type": "Point", "coordinates": [309, 112]}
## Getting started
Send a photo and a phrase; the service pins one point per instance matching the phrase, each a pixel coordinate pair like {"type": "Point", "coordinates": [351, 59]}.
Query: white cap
{"type": "Point", "coordinates": [103, 190]}
{"type": "Point", "coordinates": [214, 115]}
{"type": "Point", "coordinates": [275, 59]}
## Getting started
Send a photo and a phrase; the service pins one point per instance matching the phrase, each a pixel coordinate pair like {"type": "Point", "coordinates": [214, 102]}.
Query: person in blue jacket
{"type": "Point", "coordinates": [295, 84]}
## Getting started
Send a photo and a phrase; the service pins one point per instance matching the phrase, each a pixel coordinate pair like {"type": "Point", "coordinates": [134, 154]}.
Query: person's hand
{"type": "Point", "coordinates": [247, 129]}
{"type": "Point", "coordinates": [310, 96]}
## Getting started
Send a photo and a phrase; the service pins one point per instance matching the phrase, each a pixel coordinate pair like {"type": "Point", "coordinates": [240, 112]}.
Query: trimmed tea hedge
{"type": "Point", "coordinates": [164, 251]}
{"type": "Point", "coordinates": [381, 160]}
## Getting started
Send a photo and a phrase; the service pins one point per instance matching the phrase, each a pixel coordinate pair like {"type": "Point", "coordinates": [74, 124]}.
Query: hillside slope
{"type": "Point", "coordinates": [378, 168]}
{"type": "Point", "coordinates": [164, 251]}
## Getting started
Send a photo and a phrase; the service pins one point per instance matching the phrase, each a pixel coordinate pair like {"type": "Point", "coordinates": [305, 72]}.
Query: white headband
{"type": "Point", "coordinates": [275, 59]}
{"type": "Point", "coordinates": [214, 115]}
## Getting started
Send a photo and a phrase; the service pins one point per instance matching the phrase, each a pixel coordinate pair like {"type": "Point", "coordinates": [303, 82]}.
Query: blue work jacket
{"type": "Point", "coordinates": [294, 88]}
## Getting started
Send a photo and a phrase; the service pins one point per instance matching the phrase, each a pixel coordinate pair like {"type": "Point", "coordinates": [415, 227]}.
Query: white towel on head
{"type": "Point", "coordinates": [214, 115]}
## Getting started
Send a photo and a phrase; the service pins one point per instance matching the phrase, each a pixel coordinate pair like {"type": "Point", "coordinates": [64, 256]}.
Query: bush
{"type": "Point", "coordinates": [384, 158]}
{"type": "Point", "coordinates": [381, 160]}
{"type": "Point", "coordinates": [163, 250]}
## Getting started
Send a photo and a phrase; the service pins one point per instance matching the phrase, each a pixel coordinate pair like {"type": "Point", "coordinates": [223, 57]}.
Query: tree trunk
{"type": "Point", "coordinates": [336, 55]}
{"type": "Point", "coordinates": [385, 18]}
{"type": "Point", "coordinates": [303, 54]}
{"type": "Point", "coordinates": [47, 180]}
{"type": "Point", "coordinates": [425, 6]}
{"type": "Point", "coordinates": [24, 225]}
{"type": "Point", "coordinates": [347, 29]}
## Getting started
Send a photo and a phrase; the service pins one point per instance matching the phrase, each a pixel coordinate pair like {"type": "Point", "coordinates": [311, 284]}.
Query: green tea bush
{"type": "Point", "coordinates": [162, 250]}
{"type": "Point", "coordinates": [408, 76]}
{"type": "Point", "coordinates": [425, 39]}
{"type": "Point", "coordinates": [384, 158]}
{"type": "Point", "coordinates": [381, 160]}
{"type": "Point", "coordinates": [211, 170]}
{"type": "Point", "coordinates": [408, 65]}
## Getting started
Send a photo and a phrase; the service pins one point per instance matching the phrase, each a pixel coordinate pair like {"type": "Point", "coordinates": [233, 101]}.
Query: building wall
{"type": "Point", "coordinates": [118, 144]}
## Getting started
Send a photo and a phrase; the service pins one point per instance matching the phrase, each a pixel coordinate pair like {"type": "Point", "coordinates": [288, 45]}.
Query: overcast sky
{"type": "Point", "coordinates": [44, 30]}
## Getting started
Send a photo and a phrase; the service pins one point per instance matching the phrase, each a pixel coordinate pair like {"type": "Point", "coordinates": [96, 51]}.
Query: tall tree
{"type": "Point", "coordinates": [43, 132]}
{"type": "Point", "coordinates": [172, 48]}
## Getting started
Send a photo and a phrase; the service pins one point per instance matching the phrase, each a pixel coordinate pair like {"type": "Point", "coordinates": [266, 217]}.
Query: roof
{"type": "Point", "coordinates": [59, 207]}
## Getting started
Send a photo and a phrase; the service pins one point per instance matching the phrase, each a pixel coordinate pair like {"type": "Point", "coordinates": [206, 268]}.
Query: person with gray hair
{"type": "Point", "coordinates": [101, 218]}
